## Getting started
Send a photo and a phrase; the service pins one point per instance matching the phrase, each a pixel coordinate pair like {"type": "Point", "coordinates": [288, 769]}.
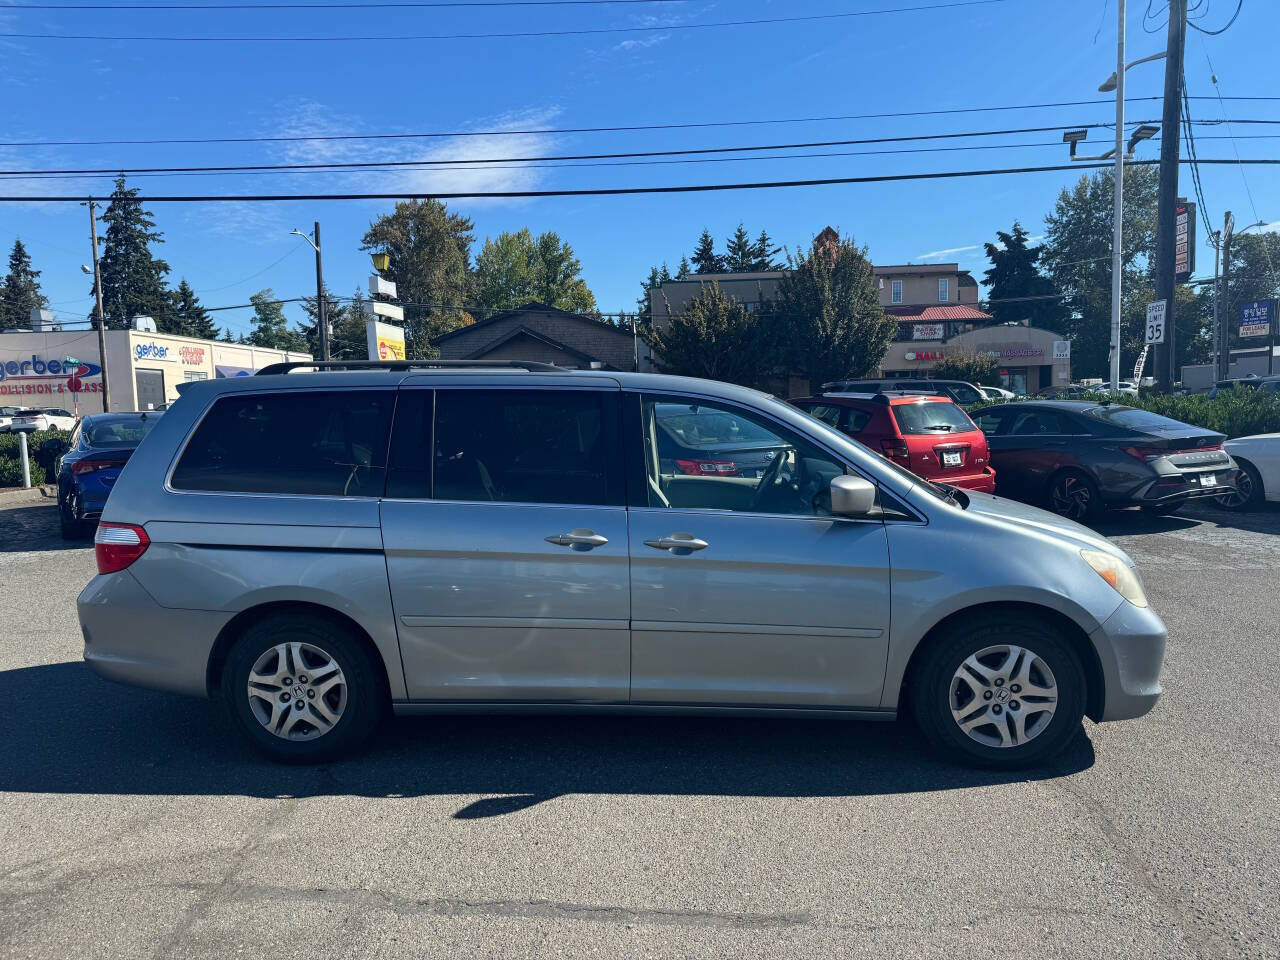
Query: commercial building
{"type": "Point", "coordinates": [61, 368]}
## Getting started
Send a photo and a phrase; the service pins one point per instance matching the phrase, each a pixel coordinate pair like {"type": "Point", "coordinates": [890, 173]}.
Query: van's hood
{"type": "Point", "coordinates": [1021, 515]}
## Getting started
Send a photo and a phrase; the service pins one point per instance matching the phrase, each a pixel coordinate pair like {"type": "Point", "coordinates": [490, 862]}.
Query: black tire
{"type": "Point", "coordinates": [69, 525]}
{"type": "Point", "coordinates": [1074, 495]}
{"type": "Point", "coordinates": [930, 691]}
{"type": "Point", "coordinates": [365, 702]}
{"type": "Point", "coordinates": [1249, 490]}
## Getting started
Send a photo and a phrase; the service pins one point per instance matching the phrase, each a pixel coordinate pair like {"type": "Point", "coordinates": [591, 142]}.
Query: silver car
{"type": "Point", "coordinates": [315, 546]}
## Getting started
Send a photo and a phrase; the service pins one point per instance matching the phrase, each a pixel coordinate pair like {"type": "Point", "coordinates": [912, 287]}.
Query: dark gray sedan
{"type": "Point", "coordinates": [1078, 457]}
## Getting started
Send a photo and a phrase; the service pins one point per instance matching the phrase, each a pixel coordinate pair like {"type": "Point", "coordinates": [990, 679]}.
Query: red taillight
{"type": "Point", "coordinates": [116, 545]}
{"type": "Point", "coordinates": [896, 450]}
{"type": "Point", "coordinates": [1147, 454]}
{"type": "Point", "coordinates": [92, 466]}
{"type": "Point", "coordinates": [708, 468]}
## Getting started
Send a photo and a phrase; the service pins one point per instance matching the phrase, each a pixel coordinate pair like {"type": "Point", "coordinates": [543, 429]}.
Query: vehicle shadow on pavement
{"type": "Point", "coordinates": [1130, 523]}
{"type": "Point", "coordinates": [33, 527]}
{"type": "Point", "coordinates": [85, 735]}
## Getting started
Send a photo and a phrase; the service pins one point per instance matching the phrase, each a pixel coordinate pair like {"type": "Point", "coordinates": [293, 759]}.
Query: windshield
{"type": "Point", "coordinates": [930, 416]}
{"type": "Point", "coordinates": [118, 433]}
{"type": "Point", "coordinates": [1132, 418]}
{"type": "Point", "coordinates": [695, 426]}
{"type": "Point", "coordinates": [965, 393]}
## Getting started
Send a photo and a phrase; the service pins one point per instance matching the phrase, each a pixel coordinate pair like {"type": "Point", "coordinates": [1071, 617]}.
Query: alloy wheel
{"type": "Point", "coordinates": [297, 691]}
{"type": "Point", "coordinates": [1072, 498]}
{"type": "Point", "coordinates": [1003, 696]}
{"type": "Point", "coordinates": [1242, 493]}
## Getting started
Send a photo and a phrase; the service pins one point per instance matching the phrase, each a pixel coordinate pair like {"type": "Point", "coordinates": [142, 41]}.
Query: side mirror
{"type": "Point", "coordinates": [852, 496]}
{"type": "Point", "coordinates": [54, 445]}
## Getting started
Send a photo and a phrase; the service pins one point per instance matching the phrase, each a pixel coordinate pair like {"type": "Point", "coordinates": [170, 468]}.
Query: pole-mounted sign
{"type": "Point", "coordinates": [1155, 321]}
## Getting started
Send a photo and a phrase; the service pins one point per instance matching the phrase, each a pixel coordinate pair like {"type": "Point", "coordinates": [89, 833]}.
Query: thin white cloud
{"type": "Point", "coordinates": [643, 43]}
{"type": "Point", "coordinates": [939, 254]}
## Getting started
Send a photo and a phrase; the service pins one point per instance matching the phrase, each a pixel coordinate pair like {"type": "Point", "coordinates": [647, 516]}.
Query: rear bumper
{"type": "Point", "coordinates": [984, 482]}
{"type": "Point", "coordinates": [1187, 486]}
{"type": "Point", "coordinates": [1130, 645]}
{"type": "Point", "coordinates": [130, 638]}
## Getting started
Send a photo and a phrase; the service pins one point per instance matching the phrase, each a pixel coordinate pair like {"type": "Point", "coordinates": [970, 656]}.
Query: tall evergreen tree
{"type": "Point", "coordinates": [347, 339]}
{"type": "Point", "coordinates": [270, 328]}
{"type": "Point", "coordinates": [656, 279]}
{"type": "Point", "coordinates": [705, 259]}
{"type": "Point", "coordinates": [682, 273]}
{"type": "Point", "coordinates": [1019, 292]}
{"type": "Point", "coordinates": [133, 281]}
{"type": "Point", "coordinates": [763, 253]}
{"type": "Point", "coordinates": [739, 252]}
{"type": "Point", "coordinates": [187, 315]}
{"type": "Point", "coordinates": [430, 251]}
{"type": "Point", "coordinates": [20, 293]}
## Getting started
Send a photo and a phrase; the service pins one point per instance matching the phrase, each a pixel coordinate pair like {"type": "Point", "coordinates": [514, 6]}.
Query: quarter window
{"type": "Point", "coordinates": [709, 456]}
{"type": "Point", "coordinates": [527, 446]}
{"type": "Point", "coordinates": [331, 444]}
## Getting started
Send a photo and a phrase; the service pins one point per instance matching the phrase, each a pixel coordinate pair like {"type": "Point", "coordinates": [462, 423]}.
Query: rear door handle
{"type": "Point", "coordinates": [677, 543]}
{"type": "Point", "coordinates": [579, 539]}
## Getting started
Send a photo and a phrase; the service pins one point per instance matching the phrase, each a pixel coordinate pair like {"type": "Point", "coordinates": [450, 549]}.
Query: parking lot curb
{"type": "Point", "coordinates": [20, 493]}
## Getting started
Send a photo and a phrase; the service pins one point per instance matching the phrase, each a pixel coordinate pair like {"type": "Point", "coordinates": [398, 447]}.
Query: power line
{"type": "Point", "coordinates": [519, 34]}
{"type": "Point", "coordinates": [519, 132]}
{"type": "Point", "coordinates": [1224, 28]}
{"type": "Point", "coordinates": [614, 191]}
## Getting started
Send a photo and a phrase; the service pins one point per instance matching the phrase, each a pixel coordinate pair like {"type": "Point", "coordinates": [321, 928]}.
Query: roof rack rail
{"type": "Point", "coordinates": [400, 366]}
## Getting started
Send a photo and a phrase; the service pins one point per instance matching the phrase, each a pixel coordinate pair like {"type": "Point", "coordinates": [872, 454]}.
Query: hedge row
{"type": "Point", "coordinates": [41, 463]}
{"type": "Point", "coordinates": [1241, 412]}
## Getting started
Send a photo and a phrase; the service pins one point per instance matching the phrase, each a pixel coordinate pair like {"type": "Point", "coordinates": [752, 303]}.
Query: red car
{"type": "Point", "coordinates": [929, 435]}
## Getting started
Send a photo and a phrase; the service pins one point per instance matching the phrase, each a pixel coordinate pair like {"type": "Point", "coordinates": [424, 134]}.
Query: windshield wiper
{"type": "Point", "coordinates": [945, 427]}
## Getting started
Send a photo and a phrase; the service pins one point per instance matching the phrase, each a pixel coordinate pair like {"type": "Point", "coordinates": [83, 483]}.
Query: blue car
{"type": "Point", "coordinates": [88, 464]}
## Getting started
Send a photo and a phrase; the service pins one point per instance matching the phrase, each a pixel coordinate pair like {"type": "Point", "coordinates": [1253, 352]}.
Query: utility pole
{"type": "Point", "coordinates": [1166, 224]}
{"type": "Point", "coordinates": [1222, 302]}
{"type": "Point", "coordinates": [322, 314]}
{"type": "Point", "coordinates": [1117, 238]}
{"type": "Point", "coordinates": [97, 296]}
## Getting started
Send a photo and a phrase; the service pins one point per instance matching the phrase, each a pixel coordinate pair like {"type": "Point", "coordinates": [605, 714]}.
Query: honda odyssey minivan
{"type": "Point", "coordinates": [320, 544]}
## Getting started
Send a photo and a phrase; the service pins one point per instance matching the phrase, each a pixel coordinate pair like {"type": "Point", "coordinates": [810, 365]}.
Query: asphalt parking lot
{"type": "Point", "coordinates": [133, 826]}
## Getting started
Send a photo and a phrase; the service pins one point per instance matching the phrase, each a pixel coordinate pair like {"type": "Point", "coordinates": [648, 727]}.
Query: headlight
{"type": "Point", "coordinates": [1117, 573]}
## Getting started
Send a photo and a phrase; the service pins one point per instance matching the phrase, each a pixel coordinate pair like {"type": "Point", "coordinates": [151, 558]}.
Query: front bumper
{"type": "Point", "coordinates": [1130, 645]}
{"type": "Point", "coordinates": [130, 638]}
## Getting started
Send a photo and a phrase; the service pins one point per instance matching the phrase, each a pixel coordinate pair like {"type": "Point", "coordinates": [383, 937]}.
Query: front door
{"type": "Point", "coordinates": [505, 533]}
{"type": "Point", "coordinates": [744, 589]}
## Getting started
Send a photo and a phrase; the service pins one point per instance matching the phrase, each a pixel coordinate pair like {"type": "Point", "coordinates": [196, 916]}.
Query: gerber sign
{"type": "Point", "coordinates": [41, 376]}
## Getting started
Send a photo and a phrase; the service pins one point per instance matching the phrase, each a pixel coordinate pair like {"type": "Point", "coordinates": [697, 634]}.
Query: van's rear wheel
{"type": "Point", "coordinates": [301, 688]}
{"type": "Point", "coordinates": [1003, 690]}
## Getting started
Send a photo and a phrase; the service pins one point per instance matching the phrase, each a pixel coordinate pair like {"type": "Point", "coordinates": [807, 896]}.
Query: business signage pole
{"type": "Point", "coordinates": [97, 296]}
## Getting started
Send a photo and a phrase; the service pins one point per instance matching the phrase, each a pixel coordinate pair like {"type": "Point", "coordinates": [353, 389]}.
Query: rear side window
{"type": "Point", "coordinates": [528, 446]}
{"type": "Point", "coordinates": [826, 413]}
{"type": "Point", "coordinates": [931, 417]}
{"type": "Point", "coordinates": [327, 444]}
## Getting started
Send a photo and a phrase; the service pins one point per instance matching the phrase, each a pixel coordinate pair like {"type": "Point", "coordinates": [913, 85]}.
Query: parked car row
{"type": "Point", "coordinates": [36, 418]}
{"type": "Point", "coordinates": [1074, 457]}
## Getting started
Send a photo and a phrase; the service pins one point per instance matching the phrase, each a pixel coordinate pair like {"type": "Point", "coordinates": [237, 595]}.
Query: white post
{"type": "Point", "coordinates": [26, 464]}
{"type": "Point", "coordinates": [1117, 239]}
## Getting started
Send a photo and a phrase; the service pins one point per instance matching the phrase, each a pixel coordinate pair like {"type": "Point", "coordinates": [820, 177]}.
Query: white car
{"type": "Point", "coordinates": [45, 418]}
{"type": "Point", "coordinates": [7, 414]}
{"type": "Point", "coordinates": [1258, 458]}
{"type": "Point", "coordinates": [998, 393]}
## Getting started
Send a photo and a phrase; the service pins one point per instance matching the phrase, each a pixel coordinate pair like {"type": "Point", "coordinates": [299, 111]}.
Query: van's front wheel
{"type": "Point", "coordinates": [1003, 691]}
{"type": "Point", "coordinates": [301, 689]}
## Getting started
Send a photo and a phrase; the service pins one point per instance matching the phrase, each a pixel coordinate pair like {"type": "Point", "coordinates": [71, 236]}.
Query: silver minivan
{"type": "Point", "coordinates": [315, 546]}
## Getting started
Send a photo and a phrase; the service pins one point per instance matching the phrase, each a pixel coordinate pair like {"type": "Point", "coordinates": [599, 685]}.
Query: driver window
{"type": "Point", "coordinates": [709, 456]}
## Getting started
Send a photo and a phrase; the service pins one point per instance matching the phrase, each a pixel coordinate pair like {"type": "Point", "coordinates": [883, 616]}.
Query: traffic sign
{"type": "Point", "coordinates": [1155, 321]}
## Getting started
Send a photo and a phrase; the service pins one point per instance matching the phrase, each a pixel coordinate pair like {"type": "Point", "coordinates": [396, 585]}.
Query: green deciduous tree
{"type": "Point", "coordinates": [430, 251]}
{"type": "Point", "coordinates": [133, 281]}
{"type": "Point", "coordinates": [705, 259]}
{"type": "Point", "coordinates": [979, 368]}
{"type": "Point", "coordinates": [715, 337]}
{"type": "Point", "coordinates": [187, 315]}
{"type": "Point", "coordinates": [1019, 292]}
{"type": "Point", "coordinates": [1255, 275]}
{"type": "Point", "coordinates": [270, 328]}
{"type": "Point", "coordinates": [826, 321]}
{"type": "Point", "coordinates": [519, 268]}
{"type": "Point", "coordinates": [20, 293]}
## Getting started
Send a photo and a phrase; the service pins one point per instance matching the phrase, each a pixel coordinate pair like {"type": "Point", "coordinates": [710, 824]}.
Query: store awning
{"type": "Point", "coordinates": [225, 370]}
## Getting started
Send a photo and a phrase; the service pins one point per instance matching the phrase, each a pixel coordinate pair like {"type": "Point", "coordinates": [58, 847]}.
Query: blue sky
{"type": "Point", "coordinates": [979, 55]}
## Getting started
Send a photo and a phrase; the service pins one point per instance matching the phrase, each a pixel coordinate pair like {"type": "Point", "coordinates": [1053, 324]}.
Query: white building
{"type": "Point", "coordinates": [63, 368]}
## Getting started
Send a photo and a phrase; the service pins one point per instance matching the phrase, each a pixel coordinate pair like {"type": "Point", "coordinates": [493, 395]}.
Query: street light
{"type": "Point", "coordinates": [1146, 131]}
{"type": "Point", "coordinates": [322, 319]}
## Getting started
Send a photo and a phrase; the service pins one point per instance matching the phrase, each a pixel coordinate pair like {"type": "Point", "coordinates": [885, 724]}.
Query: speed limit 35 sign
{"type": "Point", "coordinates": [1155, 321]}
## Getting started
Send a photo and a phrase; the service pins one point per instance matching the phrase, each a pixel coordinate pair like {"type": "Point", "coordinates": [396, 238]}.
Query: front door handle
{"type": "Point", "coordinates": [579, 539]}
{"type": "Point", "coordinates": [677, 543]}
